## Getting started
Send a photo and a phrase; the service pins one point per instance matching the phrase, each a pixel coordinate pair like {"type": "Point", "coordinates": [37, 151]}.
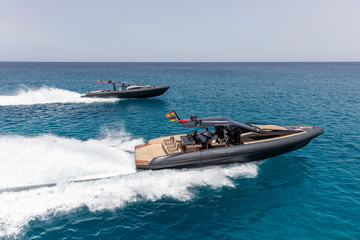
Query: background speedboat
{"type": "Point", "coordinates": [130, 91]}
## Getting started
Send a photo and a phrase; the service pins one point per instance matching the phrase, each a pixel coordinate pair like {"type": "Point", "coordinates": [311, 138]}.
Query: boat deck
{"type": "Point", "coordinates": [178, 143]}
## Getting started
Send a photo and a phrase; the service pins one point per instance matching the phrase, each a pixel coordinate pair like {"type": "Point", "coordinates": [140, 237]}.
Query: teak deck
{"type": "Point", "coordinates": [157, 147]}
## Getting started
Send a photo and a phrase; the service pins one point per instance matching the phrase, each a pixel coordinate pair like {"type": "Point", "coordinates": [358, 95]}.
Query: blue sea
{"type": "Point", "coordinates": [53, 144]}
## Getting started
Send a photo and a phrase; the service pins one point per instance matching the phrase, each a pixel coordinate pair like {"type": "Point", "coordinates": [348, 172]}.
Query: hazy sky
{"type": "Point", "coordinates": [185, 31]}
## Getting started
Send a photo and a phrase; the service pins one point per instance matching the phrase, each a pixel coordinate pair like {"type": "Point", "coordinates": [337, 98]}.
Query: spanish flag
{"type": "Point", "coordinates": [174, 117]}
{"type": "Point", "coordinates": [171, 114]}
{"type": "Point", "coordinates": [99, 81]}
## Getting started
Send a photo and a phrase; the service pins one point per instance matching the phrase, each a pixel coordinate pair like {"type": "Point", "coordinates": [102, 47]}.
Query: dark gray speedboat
{"type": "Point", "coordinates": [127, 90]}
{"type": "Point", "coordinates": [230, 142]}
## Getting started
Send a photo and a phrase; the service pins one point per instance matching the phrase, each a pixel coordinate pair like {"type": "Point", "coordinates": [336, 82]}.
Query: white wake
{"type": "Point", "coordinates": [46, 95]}
{"type": "Point", "coordinates": [26, 161]}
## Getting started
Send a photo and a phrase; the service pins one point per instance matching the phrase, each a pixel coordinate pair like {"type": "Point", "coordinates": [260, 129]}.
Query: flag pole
{"type": "Point", "coordinates": [176, 115]}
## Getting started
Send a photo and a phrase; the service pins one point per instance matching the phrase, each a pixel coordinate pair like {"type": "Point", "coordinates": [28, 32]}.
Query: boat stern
{"type": "Point", "coordinates": [142, 157]}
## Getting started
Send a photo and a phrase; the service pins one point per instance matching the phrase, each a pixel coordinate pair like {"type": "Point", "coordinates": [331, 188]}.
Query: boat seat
{"type": "Point", "coordinates": [171, 140]}
{"type": "Point", "coordinates": [174, 150]}
{"type": "Point", "coordinates": [221, 144]}
{"type": "Point", "coordinates": [169, 149]}
{"type": "Point", "coordinates": [173, 147]}
{"type": "Point", "coordinates": [163, 145]}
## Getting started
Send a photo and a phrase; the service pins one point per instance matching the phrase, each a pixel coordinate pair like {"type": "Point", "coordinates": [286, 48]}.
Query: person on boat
{"type": "Point", "coordinates": [218, 134]}
{"type": "Point", "coordinates": [196, 138]}
{"type": "Point", "coordinates": [123, 87]}
{"type": "Point", "coordinates": [237, 136]}
{"type": "Point", "coordinates": [207, 134]}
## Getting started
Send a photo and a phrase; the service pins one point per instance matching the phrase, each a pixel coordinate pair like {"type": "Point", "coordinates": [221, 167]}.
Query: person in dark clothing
{"type": "Point", "coordinates": [196, 137]}
{"type": "Point", "coordinates": [219, 131]}
{"type": "Point", "coordinates": [237, 136]}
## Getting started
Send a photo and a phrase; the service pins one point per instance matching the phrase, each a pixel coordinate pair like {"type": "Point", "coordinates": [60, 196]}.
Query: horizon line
{"type": "Point", "coordinates": [180, 62]}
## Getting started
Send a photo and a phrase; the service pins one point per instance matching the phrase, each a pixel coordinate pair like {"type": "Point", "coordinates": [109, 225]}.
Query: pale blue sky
{"type": "Point", "coordinates": [179, 31]}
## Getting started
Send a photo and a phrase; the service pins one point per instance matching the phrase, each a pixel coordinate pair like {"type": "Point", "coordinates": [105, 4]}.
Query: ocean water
{"type": "Point", "coordinates": [67, 169]}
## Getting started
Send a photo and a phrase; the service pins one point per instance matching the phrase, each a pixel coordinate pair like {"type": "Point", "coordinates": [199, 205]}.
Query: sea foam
{"type": "Point", "coordinates": [59, 161]}
{"type": "Point", "coordinates": [46, 95]}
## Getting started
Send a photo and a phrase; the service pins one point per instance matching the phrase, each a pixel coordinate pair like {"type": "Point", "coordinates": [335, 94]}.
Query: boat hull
{"type": "Point", "coordinates": [136, 93]}
{"type": "Point", "coordinates": [238, 153]}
